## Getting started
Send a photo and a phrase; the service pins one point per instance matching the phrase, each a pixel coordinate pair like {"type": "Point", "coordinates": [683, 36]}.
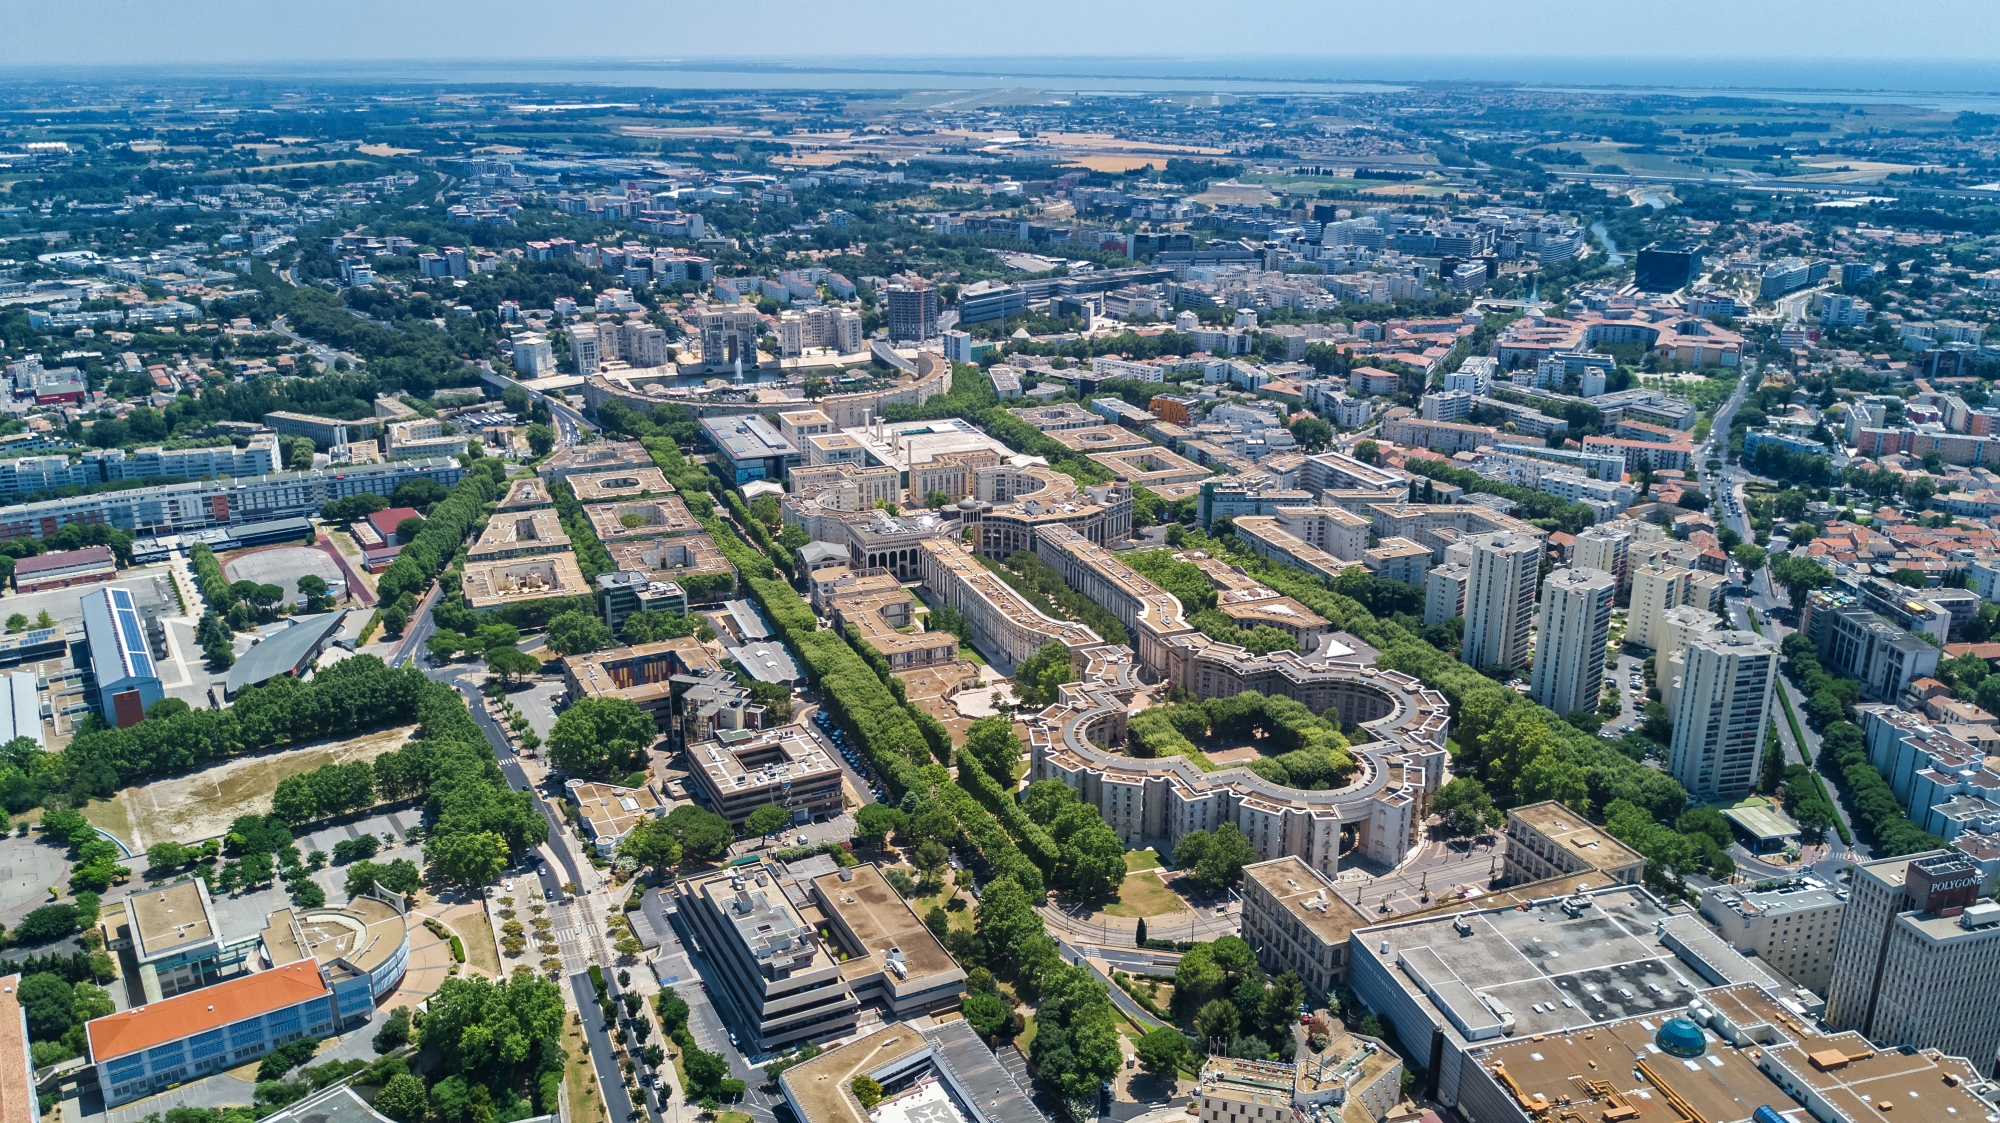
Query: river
{"type": "Point", "coordinates": [1610, 245]}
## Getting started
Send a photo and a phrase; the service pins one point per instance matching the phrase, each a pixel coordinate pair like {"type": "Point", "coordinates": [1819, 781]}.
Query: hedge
{"type": "Point", "coordinates": [445, 530]}
{"type": "Point", "coordinates": [899, 742]}
{"type": "Point", "coordinates": [884, 731]}
{"type": "Point", "coordinates": [758, 531]}
{"type": "Point", "coordinates": [1034, 838]}
{"type": "Point", "coordinates": [457, 949]}
{"type": "Point", "coordinates": [208, 577]}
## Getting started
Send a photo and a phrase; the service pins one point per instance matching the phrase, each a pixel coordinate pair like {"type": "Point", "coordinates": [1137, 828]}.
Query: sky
{"type": "Point", "coordinates": [1463, 38]}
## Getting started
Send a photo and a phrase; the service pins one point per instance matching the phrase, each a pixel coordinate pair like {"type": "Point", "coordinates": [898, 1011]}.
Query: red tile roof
{"type": "Point", "coordinates": [386, 522]}
{"type": "Point", "coordinates": [89, 555]}
{"type": "Point", "coordinates": [143, 1027]}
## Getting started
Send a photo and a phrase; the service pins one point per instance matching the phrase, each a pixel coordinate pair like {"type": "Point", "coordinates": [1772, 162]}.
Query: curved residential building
{"type": "Point", "coordinates": [1166, 797]}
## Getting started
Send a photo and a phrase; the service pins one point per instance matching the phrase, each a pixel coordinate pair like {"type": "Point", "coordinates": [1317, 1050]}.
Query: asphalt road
{"type": "Point", "coordinates": [617, 1104]}
{"type": "Point", "coordinates": [1775, 616]}
{"type": "Point", "coordinates": [418, 633]}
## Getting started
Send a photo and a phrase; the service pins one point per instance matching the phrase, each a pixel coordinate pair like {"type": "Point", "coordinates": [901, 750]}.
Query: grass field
{"type": "Point", "coordinates": [580, 1083]}
{"type": "Point", "coordinates": [1143, 894]}
{"type": "Point", "coordinates": [961, 919]}
{"type": "Point", "coordinates": [1136, 860]}
{"type": "Point", "coordinates": [481, 953]}
{"type": "Point", "coordinates": [109, 815]}
{"type": "Point", "coordinates": [202, 804]}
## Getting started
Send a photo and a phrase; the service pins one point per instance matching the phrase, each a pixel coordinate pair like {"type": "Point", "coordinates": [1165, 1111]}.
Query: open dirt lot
{"type": "Point", "coordinates": [201, 805]}
{"type": "Point", "coordinates": [283, 567]}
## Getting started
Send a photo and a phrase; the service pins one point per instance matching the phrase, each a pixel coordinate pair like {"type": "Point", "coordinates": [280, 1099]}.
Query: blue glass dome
{"type": "Point", "coordinates": [1682, 1038]}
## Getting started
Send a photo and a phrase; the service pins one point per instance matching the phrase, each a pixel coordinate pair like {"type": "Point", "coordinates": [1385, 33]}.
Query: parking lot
{"type": "Point", "coordinates": [861, 776]}
{"type": "Point", "coordinates": [28, 866]}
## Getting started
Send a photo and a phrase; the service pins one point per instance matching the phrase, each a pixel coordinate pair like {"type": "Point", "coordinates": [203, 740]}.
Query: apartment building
{"type": "Point", "coordinates": [1574, 627]}
{"type": "Point", "coordinates": [203, 504]}
{"type": "Point", "coordinates": [1658, 587]}
{"type": "Point", "coordinates": [1005, 627]}
{"type": "Point", "coordinates": [1438, 436]}
{"type": "Point", "coordinates": [1229, 499]}
{"type": "Point", "coordinates": [1547, 839]}
{"type": "Point", "coordinates": [1296, 919]}
{"type": "Point", "coordinates": [1444, 592]}
{"type": "Point", "coordinates": [1500, 599]}
{"type": "Point", "coordinates": [876, 605]}
{"type": "Point", "coordinates": [1720, 711]}
{"type": "Point", "coordinates": [1604, 546]}
{"type": "Point", "coordinates": [1267, 537]}
{"type": "Point", "coordinates": [325, 431]}
{"type": "Point", "coordinates": [1397, 559]}
{"type": "Point", "coordinates": [1794, 927]}
{"type": "Point", "coordinates": [1168, 797]}
{"type": "Point", "coordinates": [1857, 644]}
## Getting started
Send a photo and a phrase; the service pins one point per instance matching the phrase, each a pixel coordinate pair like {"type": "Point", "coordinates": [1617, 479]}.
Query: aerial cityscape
{"type": "Point", "coordinates": [843, 580]}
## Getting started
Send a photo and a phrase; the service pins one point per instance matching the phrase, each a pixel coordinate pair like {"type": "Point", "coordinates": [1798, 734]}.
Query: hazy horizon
{"type": "Point", "coordinates": [1825, 45]}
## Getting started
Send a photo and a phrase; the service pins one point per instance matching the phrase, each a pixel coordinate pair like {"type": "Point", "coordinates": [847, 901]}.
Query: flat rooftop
{"type": "Point", "coordinates": [1577, 834]}
{"type": "Point", "coordinates": [620, 483]}
{"type": "Point", "coordinates": [364, 935]}
{"type": "Point", "coordinates": [1002, 598]}
{"type": "Point", "coordinates": [882, 920]}
{"type": "Point", "coordinates": [596, 457]}
{"type": "Point", "coordinates": [1281, 612]}
{"type": "Point", "coordinates": [900, 445]}
{"type": "Point", "coordinates": [1299, 888]}
{"type": "Point", "coordinates": [18, 1103]}
{"type": "Point", "coordinates": [1099, 438]}
{"type": "Point", "coordinates": [643, 673]}
{"type": "Point", "coordinates": [614, 810]}
{"type": "Point", "coordinates": [770, 759]}
{"type": "Point", "coordinates": [1548, 970]}
{"type": "Point", "coordinates": [1858, 1080]}
{"type": "Point", "coordinates": [509, 533]}
{"type": "Point", "coordinates": [631, 520]}
{"type": "Point", "coordinates": [773, 932]}
{"type": "Point", "coordinates": [1150, 466]}
{"type": "Point", "coordinates": [1724, 1083]}
{"type": "Point", "coordinates": [681, 556]}
{"type": "Point", "coordinates": [167, 920]}
{"type": "Point", "coordinates": [1156, 604]}
{"type": "Point", "coordinates": [526, 494]}
{"type": "Point", "coordinates": [516, 580]}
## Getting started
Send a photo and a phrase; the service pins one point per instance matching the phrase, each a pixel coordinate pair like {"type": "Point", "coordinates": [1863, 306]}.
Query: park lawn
{"type": "Point", "coordinates": [733, 1117]}
{"type": "Point", "coordinates": [1136, 860]}
{"type": "Point", "coordinates": [481, 953]}
{"type": "Point", "coordinates": [1143, 894]}
{"type": "Point", "coordinates": [1026, 1037]}
{"type": "Point", "coordinates": [961, 919]}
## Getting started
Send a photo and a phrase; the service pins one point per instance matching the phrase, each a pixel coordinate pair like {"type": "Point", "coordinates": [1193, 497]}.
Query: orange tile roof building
{"type": "Point", "coordinates": [146, 1048]}
{"type": "Point", "coordinates": [18, 1103]}
{"type": "Point", "coordinates": [330, 967]}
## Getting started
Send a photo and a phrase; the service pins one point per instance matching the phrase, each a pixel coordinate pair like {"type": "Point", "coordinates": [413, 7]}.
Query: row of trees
{"type": "Point", "coordinates": [330, 789]}
{"type": "Point", "coordinates": [444, 532]}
